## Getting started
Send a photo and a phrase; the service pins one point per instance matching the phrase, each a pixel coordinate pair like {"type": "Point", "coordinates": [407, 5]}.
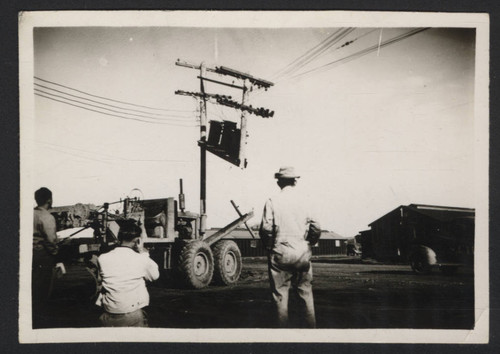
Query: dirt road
{"type": "Point", "coordinates": [347, 293]}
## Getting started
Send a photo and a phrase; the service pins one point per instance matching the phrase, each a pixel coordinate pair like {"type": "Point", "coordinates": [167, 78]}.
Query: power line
{"type": "Point", "coordinates": [363, 52]}
{"type": "Point", "coordinates": [109, 105]}
{"type": "Point", "coordinates": [342, 46]}
{"type": "Point", "coordinates": [107, 109]}
{"type": "Point", "coordinates": [64, 149]}
{"type": "Point", "coordinates": [105, 98]}
{"type": "Point", "coordinates": [322, 50]}
{"type": "Point", "coordinates": [75, 155]}
{"type": "Point", "coordinates": [112, 115]}
{"type": "Point", "coordinates": [355, 39]}
{"type": "Point", "coordinates": [323, 43]}
{"type": "Point", "coordinates": [311, 55]}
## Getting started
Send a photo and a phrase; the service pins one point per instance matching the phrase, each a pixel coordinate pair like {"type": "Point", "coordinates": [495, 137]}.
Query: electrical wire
{"type": "Point", "coordinates": [75, 155]}
{"type": "Point", "coordinates": [355, 39]}
{"type": "Point", "coordinates": [108, 109]}
{"type": "Point", "coordinates": [105, 98]}
{"type": "Point", "coordinates": [323, 45]}
{"type": "Point", "coordinates": [113, 115]}
{"type": "Point", "coordinates": [345, 44]}
{"type": "Point", "coordinates": [363, 52]}
{"type": "Point", "coordinates": [65, 149]}
{"type": "Point", "coordinates": [296, 60]}
{"type": "Point", "coordinates": [324, 50]}
{"type": "Point", "coordinates": [109, 105]}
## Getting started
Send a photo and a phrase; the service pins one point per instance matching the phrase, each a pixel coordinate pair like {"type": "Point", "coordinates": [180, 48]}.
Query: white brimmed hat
{"type": "Point", "coordinates": [286, 172]}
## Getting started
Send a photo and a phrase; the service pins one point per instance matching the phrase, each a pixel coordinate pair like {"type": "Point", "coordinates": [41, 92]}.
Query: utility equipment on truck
{"type": "Point", "coordinates": [170, 233]}
{"type": "Point", "coordinates": [177, 239]}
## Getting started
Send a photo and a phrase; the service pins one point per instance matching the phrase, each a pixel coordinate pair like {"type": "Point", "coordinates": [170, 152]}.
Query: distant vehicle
{"type": "Point", "coordinates": [352, 250]}
{"type": "Point", "coordinates": [447, 248]}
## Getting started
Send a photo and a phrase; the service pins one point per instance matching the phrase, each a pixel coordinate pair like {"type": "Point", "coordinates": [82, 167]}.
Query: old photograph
{"type": "Point", "coordinates": [212, 176]}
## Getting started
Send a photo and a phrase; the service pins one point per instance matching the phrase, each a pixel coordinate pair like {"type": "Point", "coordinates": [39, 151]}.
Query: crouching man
{"type": "Point", "coordinates": [123, 273]}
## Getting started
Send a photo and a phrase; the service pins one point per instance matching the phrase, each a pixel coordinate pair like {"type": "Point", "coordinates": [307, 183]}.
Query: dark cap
{"type": "Point", "coordinates": [129, 230]}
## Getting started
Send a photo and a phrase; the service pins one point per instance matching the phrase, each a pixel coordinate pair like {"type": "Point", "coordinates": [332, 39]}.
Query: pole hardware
{"type": "Point", "coordinates": [229, 102]}
{"type": "Point", "coordinates": [225, 140]}
{"type": "Point", "coordinates": [224, 70]}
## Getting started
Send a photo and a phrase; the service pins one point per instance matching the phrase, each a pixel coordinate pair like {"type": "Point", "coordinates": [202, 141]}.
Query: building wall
{"type": "Point", "coordinates": [385, 237]}
{"type": "Point", "coordinates": [366, 240]}
{"type": "Point", "coordinates": [326, 247]}
{"type": "Point", "coordinates": [393, 235]}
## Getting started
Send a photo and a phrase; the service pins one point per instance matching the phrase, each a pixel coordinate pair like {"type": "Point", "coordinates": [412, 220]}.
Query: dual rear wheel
{"type": "Point", "coordinates": [199, 264]}
{"type": "Point", "coordinates": [227, 259]}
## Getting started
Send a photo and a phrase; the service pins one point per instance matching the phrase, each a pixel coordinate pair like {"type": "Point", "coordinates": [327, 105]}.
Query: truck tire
{"type": "Point", "coordinates": [227, 259]}
{"type": "Point", "coordinates": [196, 264]}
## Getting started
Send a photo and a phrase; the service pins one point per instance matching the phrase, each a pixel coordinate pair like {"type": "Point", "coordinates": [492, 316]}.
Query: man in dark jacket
{"type": "Point", "coordinates": [45, 250]}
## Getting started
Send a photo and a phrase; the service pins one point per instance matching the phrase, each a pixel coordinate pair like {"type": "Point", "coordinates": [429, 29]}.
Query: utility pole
{"type": "Point", "coordinates": [239, 159]}
{"type": "Point", "coordinates": [243, 127]}
{"type": "Point", "coordinates": [203, 153]}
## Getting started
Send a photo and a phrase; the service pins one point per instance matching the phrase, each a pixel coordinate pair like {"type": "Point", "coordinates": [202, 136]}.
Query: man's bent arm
{"type": "Point", "coordinates": [313, 232]}
{"type": "Point", "coordinates": [152, 271]}
{"type": "Point", "coordinates": [266, 231]}
{"type": "Point", "coordinates": [49, 227]}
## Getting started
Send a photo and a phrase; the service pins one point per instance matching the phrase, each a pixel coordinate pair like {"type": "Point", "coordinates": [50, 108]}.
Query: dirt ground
{"type": "Point", "coordinates": [348, 293]}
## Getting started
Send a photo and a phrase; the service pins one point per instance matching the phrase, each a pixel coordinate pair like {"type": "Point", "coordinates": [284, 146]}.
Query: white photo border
{"type": "Point", "coordinates": [269, 19]}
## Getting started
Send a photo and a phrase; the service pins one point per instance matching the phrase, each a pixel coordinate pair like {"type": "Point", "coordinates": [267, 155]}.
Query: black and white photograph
{"type": "Point", "coordinates": [253, 176]}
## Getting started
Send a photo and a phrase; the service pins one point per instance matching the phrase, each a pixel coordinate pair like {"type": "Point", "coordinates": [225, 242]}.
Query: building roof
{"type": "Point", "coordinates": [244, 234]}
{"type": "Point", "coordinates": [442, 213]}
{"type": "Point", "coordinates": [439, 213]}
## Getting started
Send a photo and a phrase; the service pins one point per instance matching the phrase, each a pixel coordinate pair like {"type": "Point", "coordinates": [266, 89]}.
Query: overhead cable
{"type": "Point", "coordinates": [362, 52]}
{"type": "Point", "coordinates": [355, 39]}
{"type": "Point", "coordinates": [105, 98]}
{"type": "Point", "coordinates": [75, 154]}
{"type": "Point", "coordinates": [108, 109]}
{"type": "Point", "coordinates": [322, 44]}
{"type": "Point", "coordinates": [113, 115]}
{"type": "Point", "coordinates": [281, 71]}
{"type": "Point", "coordinates": [323, 50]}
{"type": "Point", "coordinates": [317, 51]}
{"type": "Point", "coordinates": [109, 105]}
{"type": "Point", "coordinates": [104, 157]}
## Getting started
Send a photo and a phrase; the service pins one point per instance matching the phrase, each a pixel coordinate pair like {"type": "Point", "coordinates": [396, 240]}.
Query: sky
{"type": "Point", "coordinates": [390, 128]}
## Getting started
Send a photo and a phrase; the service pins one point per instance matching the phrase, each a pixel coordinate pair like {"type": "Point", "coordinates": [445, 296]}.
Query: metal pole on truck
{"type": "Point", "coordinates": [203, 153]}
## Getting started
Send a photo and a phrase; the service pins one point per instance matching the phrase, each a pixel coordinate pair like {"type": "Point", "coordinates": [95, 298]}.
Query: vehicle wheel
{"type": "Point", "coordinates": [227, 259]}
{"type": "Point", "coordinates": [420, 265]}
{"type": "Point", "coordinates": [449, 270]}
{"type": "Point", "coordinates": [196, 265]}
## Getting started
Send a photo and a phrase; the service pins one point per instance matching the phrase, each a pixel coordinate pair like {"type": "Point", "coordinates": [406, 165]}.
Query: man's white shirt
{"type": "Point", "coordinates": [290, 211]}
{"type": "Point", "coordinates": [124, 273]}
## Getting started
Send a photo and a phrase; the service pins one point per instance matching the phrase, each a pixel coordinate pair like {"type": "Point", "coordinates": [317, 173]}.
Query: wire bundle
{"type": "Point", "coordinates": [119, 109]}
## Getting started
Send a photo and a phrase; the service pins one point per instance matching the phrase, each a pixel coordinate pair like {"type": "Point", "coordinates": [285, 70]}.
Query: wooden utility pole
{"type": "Point", "coordinates": [203, 153]}
{"type": "Point", "coordinates": [248, 83]}
{"type": "Point", "coordinates": [243, 127]}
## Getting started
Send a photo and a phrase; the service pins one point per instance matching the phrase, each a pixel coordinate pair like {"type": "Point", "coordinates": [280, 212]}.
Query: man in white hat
{"type": "Point", "coordinates": [288, 231]}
